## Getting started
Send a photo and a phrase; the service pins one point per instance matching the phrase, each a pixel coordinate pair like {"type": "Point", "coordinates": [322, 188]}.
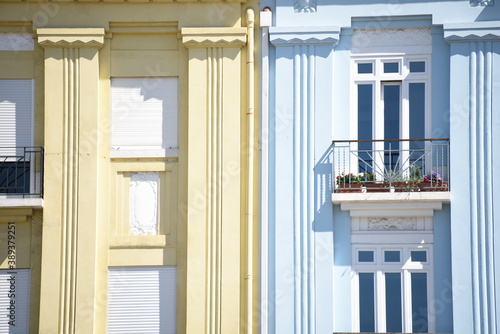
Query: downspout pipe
{"type": "Point", "coordinates": [250, 170]}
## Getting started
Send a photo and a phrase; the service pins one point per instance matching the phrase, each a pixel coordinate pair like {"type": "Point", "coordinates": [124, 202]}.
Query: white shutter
{"type": "Point", "coordinates": [16, 116]}
{"type": "Point", "coordinates": [142, 300]}
{"type": "Point", "coordinates": [144, 113]}
{"type": "Point", "coordinates": [21, 298]}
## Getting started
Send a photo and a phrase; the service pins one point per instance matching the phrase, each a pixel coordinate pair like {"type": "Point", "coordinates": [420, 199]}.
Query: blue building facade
{"type": "Point", "coordinates": [380, 125]}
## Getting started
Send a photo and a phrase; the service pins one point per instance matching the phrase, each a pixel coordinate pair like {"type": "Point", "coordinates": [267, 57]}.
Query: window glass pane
{"type": "Point", "coordinates": [418, 256]}
{"type": "Point", "coordinates": [366, 302]}
{"type": "Point", "coordinates": [417, 114]}
{"type": "Point", "coordinates": [417, 66]}
{"type": "Point", "coordinates": [392, 103]}
{"type": "Point", "coordinates": [365, 68]}
{"type": "Point", "coordinates": [391, 256]}
{"type": "Point", "coordinates": [365, 256]}
{"type": "Point", "coordinates": [365, 114]}
{"type": "Point", "coordinates": [391, 67]}
{"type": "Point", "coordinates": [419, 302]}
{"type": "Point", "coordinates": [394, 322]}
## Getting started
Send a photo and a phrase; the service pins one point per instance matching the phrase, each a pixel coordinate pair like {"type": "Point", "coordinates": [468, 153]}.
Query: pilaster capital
{"type": "Point", "coordinates": [471, 32]}
{"type": "Point", "coordinates": [288, 36]}
{"type": "Point", "coordinates": [70, 37]}
{"type": "Point", "coordinates": [214, 37]}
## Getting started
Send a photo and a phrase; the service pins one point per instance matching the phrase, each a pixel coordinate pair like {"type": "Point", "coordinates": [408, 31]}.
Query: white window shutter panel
{"type": "Point", "coordinates": [142, 300]}
{"type": "Point", "coordinates": [144, 113]}
{"type": "Point", "coordinates": [21, 298]}
{"type": "Point", "coordinates": [16, 116]}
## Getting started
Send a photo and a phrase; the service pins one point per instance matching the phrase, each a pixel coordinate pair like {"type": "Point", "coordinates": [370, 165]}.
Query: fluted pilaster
{"type": "Point", "coordinates": [213, 213]}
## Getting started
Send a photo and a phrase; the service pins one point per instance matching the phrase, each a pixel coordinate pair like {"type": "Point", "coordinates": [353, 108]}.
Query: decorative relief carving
{"type": "Point", "coordinates": [391, 37]}
{"type": "Point", "coordinates": [304, 6]}
{"type": "Point", "coordinates": [144, 203]}
{"type": "Point", "coordinates": [392, 224]}
{"type": "Point", "coordinates": [16, 42]}
{"type": "Point", "coordinates": [474, 3]}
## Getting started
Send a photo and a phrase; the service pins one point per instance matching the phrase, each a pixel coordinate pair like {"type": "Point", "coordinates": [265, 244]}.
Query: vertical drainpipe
{"type": "Point", "coordinates": [250, 161]}
{"type": "Point", "coordinates": [265, 22]}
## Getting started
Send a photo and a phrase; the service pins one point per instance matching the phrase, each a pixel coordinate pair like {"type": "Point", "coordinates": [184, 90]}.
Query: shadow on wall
{"type": "Point", "coordinates": [323, 221]}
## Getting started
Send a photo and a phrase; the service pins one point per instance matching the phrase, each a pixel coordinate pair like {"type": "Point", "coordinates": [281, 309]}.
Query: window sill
{"type": "Point", "coordinates": [13, 201]}
{"type": "Point", "coordinates": [144, 153]}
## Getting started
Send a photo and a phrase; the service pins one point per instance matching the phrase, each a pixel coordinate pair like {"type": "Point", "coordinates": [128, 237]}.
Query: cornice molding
{"type": "Point", "coordinates": [288, 36]}
{"type": "Point", "coordinates": [214, 37]}
{"type": "Point", "coordinates": [470, 32]}
{"type": "Point", "coordinates": [70, 37]}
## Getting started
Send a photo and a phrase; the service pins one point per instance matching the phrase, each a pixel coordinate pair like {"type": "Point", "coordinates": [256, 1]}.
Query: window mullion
{"type": "Point", "coordinates": [380, 302]}
{"type": "Point", "coordinates": [407, 311]}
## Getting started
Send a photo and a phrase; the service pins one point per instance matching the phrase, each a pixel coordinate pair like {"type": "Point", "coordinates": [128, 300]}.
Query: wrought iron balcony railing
{"type": "Point", "coordinates": [21, 172]}
{"type": "Point", "coordinates": [391, 165]}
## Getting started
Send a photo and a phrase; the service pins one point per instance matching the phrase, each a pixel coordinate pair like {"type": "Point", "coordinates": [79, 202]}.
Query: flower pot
{"type": "Point", "coordinates": [349, 187]}
{"type": "Point", "coordinates": [400, 186]}
{"type": "Point", "coordinates": [435, 186]}
{"type": "Point", "coordinates": [377, 187]}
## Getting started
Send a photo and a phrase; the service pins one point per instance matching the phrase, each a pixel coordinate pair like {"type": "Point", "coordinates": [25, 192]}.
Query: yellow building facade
{"type": "Point", "coordinates": [136, 209]}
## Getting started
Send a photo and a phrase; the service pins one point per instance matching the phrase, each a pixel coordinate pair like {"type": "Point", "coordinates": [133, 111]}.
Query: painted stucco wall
{"type": "Point", "coordinates": [79, 47]}
{"type": "Point", "coordinates": [463, 229]}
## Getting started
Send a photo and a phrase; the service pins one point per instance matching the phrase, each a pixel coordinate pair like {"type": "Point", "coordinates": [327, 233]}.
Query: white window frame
{"type": "Point", "coordinates": [380, 267]}
{"type": "Point", "coordinates": [377, 79]}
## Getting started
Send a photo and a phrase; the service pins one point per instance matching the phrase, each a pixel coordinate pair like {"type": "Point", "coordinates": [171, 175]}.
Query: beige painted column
{"type": "Point", "coordinates": [70, 205]}
{"type": "Point", "coordinates": [214, 190]}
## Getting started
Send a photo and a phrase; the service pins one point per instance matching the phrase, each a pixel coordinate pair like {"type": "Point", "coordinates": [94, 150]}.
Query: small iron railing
{"type": "Point", "coordinates": [21, 172]}
{"type": "Point", "coordinates": [391, 165]}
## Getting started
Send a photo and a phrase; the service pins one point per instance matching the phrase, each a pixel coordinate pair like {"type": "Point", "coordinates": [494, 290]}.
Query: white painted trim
{"type": "Point", "coordinates": [410, 198]}
{"type": "Point", "coordinates": [11, 201]}
{"type": "Point", "coordinates": [379, 267]}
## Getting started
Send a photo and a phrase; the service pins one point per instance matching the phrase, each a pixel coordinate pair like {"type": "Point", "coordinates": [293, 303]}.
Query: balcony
{"type": "Point", "coordinates": [392, 166]}
{"type": "Point", "coordinates": [21, 174]}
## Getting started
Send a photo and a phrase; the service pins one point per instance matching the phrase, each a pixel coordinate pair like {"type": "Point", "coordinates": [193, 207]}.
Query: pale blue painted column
{"type": "Point", "coordinates": [473, 131]}
{"type": "Point", "coordinates": [301, 225]}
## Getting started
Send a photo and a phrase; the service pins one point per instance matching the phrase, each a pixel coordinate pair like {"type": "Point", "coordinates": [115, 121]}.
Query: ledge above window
{"type": "Point", "coordinates": [143, 153]}
{"type": "Point", "coordinates": [392, 204]}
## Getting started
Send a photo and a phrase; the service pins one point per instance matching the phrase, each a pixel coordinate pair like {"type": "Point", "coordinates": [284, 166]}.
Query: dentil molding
{"type": "Point", "coordinates": [71, 37]}
{"type": "Point", "coordinates": [214, 37]}
{"type": "Point", "coordinates": [470, 32]}
{"type": "Point", "coordinates": [288, 36]}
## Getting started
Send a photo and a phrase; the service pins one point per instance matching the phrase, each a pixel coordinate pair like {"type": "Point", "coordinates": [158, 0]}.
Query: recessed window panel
{"type": "Point", "coordinates": [417, 66]}
{"type": "Point", "coordinates": [365, 123]}
{"type": "Point", "coordinates": [364, 68]}
{"type": "Point", "coordinates": [417, 113]}
{"type": "Point", "coordinates": [419, 302]}
{"type": "Point", "coordinates": [391, 67]}
{"type": "Point", "coordinates": [366, 302]}
{"type": "Point", "coordinates": [365, 256]}
{"type": "Point", "coordinates": [392, 103]}
{"type": "Point", "coordinates": [394, 319]}
{"type": "Point", "coordinates": [418, 256]}
{"type": "Point", "coordinates": [392, 256]}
